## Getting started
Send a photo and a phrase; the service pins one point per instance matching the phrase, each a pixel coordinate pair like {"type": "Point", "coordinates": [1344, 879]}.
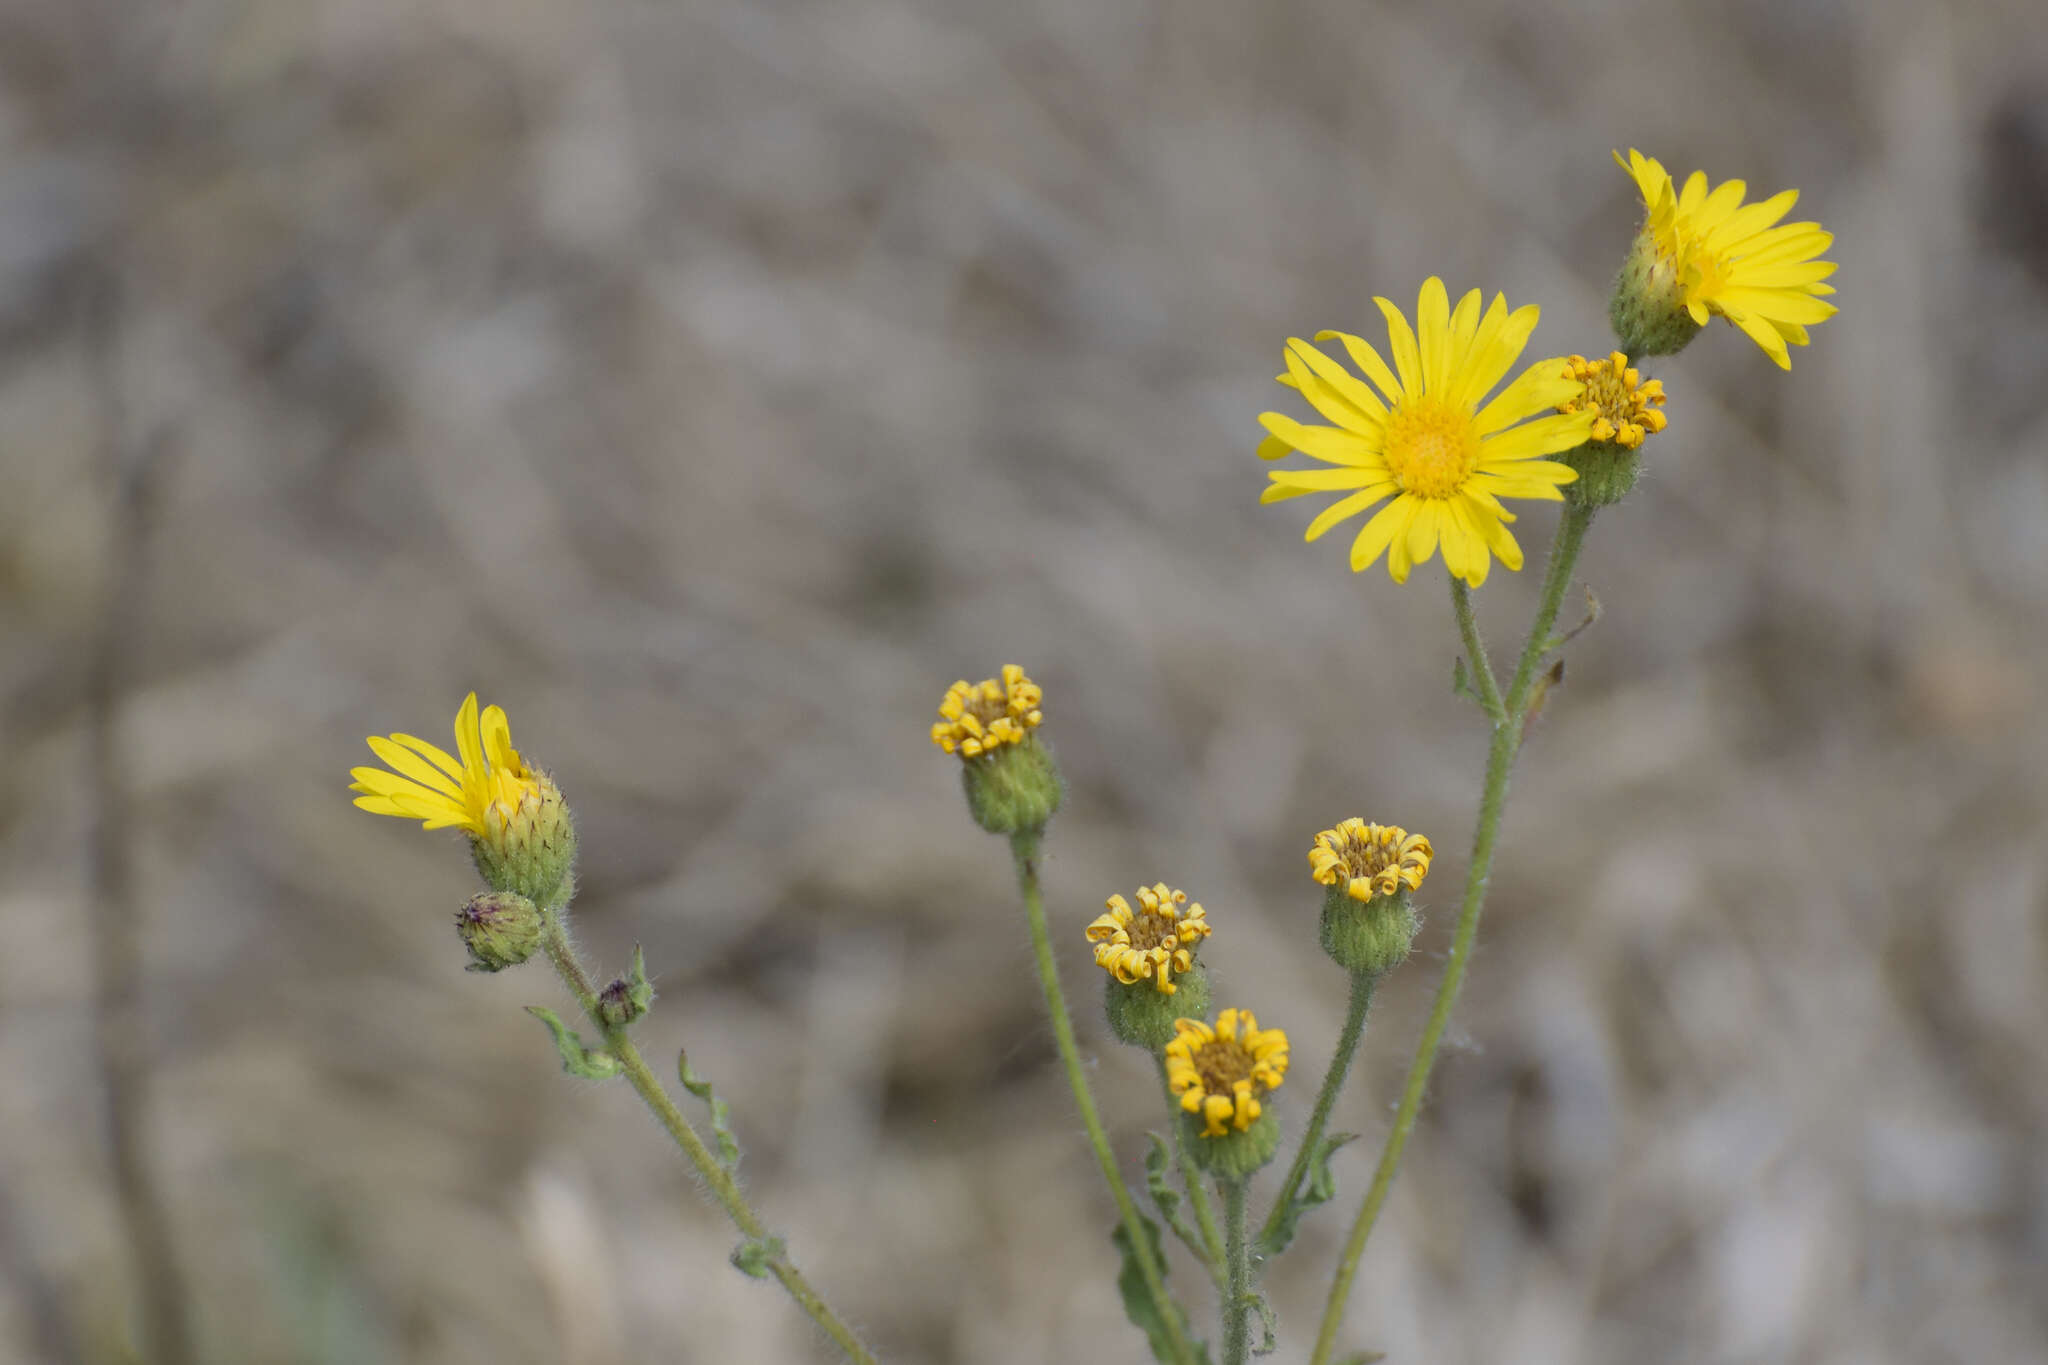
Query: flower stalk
{"type": "Point", "coordinates": [713, 1174]}
{"type": "Point", "coordinates": [1508, 728]}
{"type": "Point", "coordinates": [1237, 1301]}
{"type": "Point", "coordinates": [1024, 846]}
{"type": "Point", "coordinates": [1198, 1194]}
{"type": "Point", "coordinates": [1362, 984]}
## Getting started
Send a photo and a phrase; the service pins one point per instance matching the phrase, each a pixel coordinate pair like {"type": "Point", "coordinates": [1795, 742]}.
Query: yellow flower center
{"type": "Point", "coordinates": [1222, 1064]}
{"type": "Point", "coordinates": [1629, 408]}
{"type": "Point", "coordinates": [1431, 448]}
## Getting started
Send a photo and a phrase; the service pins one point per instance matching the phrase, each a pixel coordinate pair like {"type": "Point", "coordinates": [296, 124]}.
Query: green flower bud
{"type": "Point", "coordinates": [1648, 309]}
{"type": "Point", "coordinates": [1013, 789]}
{"type": "Point", "coordinates": [1237, 1153]}
{"type": "Point", "coordinates": [627, 997]}
{"type": "Point", "coordinates": [1143, 1016]}
{"type": "Point", "coordinates": [528, 842]}
{"type": "Point", "coordinates": [1371, 871]}
{"type": "Point", "coordinates": [500, 928]}
{"type": "Point", "coordinates": [1371, 936]}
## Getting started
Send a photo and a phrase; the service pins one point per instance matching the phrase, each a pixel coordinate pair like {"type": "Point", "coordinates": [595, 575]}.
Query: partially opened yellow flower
{"type": "Point", "coordinates": [1423, 435]}
{"type": "Point", "coordinates": [430, 785]}
{"type": "Point", "coordinates": [518, 825]}
{"type": "Point", "coordinates": [1703, 250]}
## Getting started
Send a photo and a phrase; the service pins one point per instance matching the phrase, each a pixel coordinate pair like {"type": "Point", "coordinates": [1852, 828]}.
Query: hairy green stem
{"type": "Point", "coordinates": [1024, 847]}
{"type": "Point", "coordinates": [1362, 984]}
{"type": "Point", "coordinates": [724, 1188]}
{"type": "Point", "coordinates": [1237, 1302]}
{"type": "Point", "coordinates": [1500, 761]}
{"type": "Point", "coordinates": [1475, 650]}
{"type": "Point", "coordinates": [1198, 1191]}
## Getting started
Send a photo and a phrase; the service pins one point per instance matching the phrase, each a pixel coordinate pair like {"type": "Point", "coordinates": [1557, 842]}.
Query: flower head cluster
{"type": "Point", "coordinates": [1629, 409]}
{"type": "Point", "coordinates": [979, 718]}
{"type": "Point", "coordinates": [1710, 254]}
{"type": "Point", "coordinates": [1423, 434]}
{"type": "Point", "coordinates": [1221, 1071]}
{"type": "Point", "coordinates": [1370, 860]}
{"type": "Point", "coordinates": [1152, 942]}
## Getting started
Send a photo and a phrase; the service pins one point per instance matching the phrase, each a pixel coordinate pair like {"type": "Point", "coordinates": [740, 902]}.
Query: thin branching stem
{"type": "Point", "coordinates": [714, 1175]}
{"type": "Point", "coordinates": [1500, 762]}
{"type": "Point", "coordinates": [1025, 849]}
{"type": "Point", "coordinates": [1333, 1082]}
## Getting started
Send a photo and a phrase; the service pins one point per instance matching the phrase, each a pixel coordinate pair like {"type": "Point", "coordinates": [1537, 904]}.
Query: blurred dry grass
{"type": "Point", "coordinates": [712, 383]}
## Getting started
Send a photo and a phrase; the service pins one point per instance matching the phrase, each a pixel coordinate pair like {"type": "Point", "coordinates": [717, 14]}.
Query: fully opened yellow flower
{"type": "Point", "coordinates": [1152, 942]}
{"type": "Point", "coordinates": [430, 785]}
{"type": "Point", "coordinates": [979, 718]}
{"type": "Point", "coordinates": [1370, 860]}
{"type": "Point", "coordinates": [1721, 256]}
{"type": "Point", "coordinates": [1422, 434]}
{"type": "Point", "coordinates": [1221, 1072]}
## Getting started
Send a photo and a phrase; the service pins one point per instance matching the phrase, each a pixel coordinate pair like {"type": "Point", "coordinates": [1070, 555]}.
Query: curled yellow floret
{"type": "Point", "coordinates": [1629, 408]}
{"type": "Point", "coordinates": [1220, 1071]}
{"type": "Point", "coordinates": [978, 718]}
{"type": "Point", "coordinates": [1735, 259]}
{"type": "Point", "coordinates": [1424, 434]}
{"type": "Point", "coordinates": [1370, 860]}
{"type": "Point", "coordinates": [428, 784]}
{"type": "Point", "coordinates": [1150, 943]}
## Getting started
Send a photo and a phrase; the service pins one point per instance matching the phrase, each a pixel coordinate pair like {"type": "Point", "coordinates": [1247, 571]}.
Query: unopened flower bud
{"type": "Point", "coordinates": [1012, 784]}
{"type": "Point", "coordinates": [627, 997]}
{"type": "Point", "coordinates": [1149, 954]}
{"type": "Point", "coordinates": [500, 928]}
{"type": "Point", "coordinates": [1628, 409]}
{"type": "Point", "coordinates": [1369, 919]}
{"type": "Point", "coordinates": [1222, 1074]}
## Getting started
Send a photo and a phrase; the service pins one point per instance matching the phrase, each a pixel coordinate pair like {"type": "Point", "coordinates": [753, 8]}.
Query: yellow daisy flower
{"type": "Point", "coordinates": [1152, 942]}
{"type": "Point", "coordinates": [1221, 1072]}
{"type": "Point", "coordinates": [430, 785]}
{"type": "Point", "coordinates": [1421, 434]}
{"type": "Point", "coordinates": [1718, 255]}
{"type": "Point", "coordinates": [1370, 860]}
{"type": "Point", "coordinates": [979, 718]}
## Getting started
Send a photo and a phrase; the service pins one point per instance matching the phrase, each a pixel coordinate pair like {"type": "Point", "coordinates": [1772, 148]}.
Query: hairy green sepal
{"type": "Point", "coordinates": [1371, 936]}
{"type": "Point", "coordinates": [1143, 1015]}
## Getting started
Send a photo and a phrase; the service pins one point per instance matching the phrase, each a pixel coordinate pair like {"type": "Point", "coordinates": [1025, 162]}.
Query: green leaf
{"type": "Point", "coordinates": [721, 1127]}
{"type": "Point", "coordinates": [757, 1256]}
{"type": "Point", "coordinates": [638, 989]}
{"type": "Point", "coordinates": [1269, 1324]}
{"type": "Point", "coordinates": [577, 1059]}
{"type": "Point", "coordinates": [1158, 1163]}
{"type": "Point", "coordinates": [1320, 1186]}
{"type": "Point", "coordinates": [1147, 1315]}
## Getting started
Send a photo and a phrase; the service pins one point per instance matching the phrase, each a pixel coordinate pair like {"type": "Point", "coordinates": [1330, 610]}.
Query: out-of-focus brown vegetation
{"type": "Point", "coordinates": [712, 383]}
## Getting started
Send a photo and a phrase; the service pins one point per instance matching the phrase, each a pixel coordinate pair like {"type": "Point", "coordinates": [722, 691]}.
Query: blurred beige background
{"type": "Point", "coordinates": [712, 383]}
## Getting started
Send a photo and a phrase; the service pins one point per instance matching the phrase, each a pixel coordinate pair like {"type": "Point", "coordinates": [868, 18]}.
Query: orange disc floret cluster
{"type": "Point", "coordinates": [1629, 407]}
{"type": "Point", "coordinates": [1152, 942]}
{"type": "Point", "coordinates": [1370, 860]}
{"type": "Point", "coordinates": [978, 718]}
{"type": "Point", "coordinates": [428, 784]}
{"type": "Point", "coordinates": [1221, 1071]}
